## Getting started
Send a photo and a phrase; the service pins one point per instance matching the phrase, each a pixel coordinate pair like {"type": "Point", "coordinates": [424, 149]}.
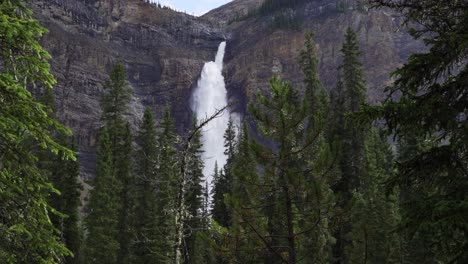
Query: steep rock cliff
{"type": "Point", "coordinates": [258, 47]}
{"type": "Point", "coordinates": [162, 50]}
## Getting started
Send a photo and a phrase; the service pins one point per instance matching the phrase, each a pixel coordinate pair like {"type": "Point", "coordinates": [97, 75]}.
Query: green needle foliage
{"type": "Point", "coordinates": [26, 232]}
{"type": "Point", "coordinates": [111, 198]}
{"type": "Point", "coordinates": [295, 178]}
{"type": "Point", "coordinates": [146, 212]}
{"type": "Point", "coordinates": [167, 187]}
{"type": "Point", "coordinates": [375, 215]}
{"type": "Point", "coordinates": [432, 103]}
{"type": "Point", "coordinates": [348, 97]}
{"type": "Point", "coordinates": [196, 224]}
{"type": "Point", "coordinates": [102, 222]}
{"type": "Point", "coordinates": [244, 201]}
{"type": "Point", "coordinates": [64, 175]}
{"type": "Point", "coordinates": [222, 179]}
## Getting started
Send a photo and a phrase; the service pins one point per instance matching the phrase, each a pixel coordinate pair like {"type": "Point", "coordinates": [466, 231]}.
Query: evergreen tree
{"type": "Point", "coordinates": [146, 212]}
{"type": "Point", "coordinates": [167, 187]}
{"type": "Point", "coordinates": [352, 94]}
{"type": "Point", "coordinates": [223, 178]}
{"type": "Point", "coordinates": [432, 104]}
{"type": "Point", "coordinates": [122, 168]}
{"type": "Point", "coordinates": [114, 104]}
{"type": "Point", "coordinates": [245, 203]}
{"type": "Point", "coordinates": [26, 232]}
{"type": "Point", "coordinates": [194, 198]}
{"type": "Point", "coordinates": [64, 175]}
{"type": "Point", "coordinates": [375, 215]}
{"type": "Point", "coordinates": [316, 205]}
{"type": "Point", "coordinates": [366, 216]}
{"type": "Point", "coordinates": [102, 243]}
{"type": "Point", "coordinates": [203, 251]}
{"type": "Point", "coordinates": [219, 210]}
{"type": "Point", "coordinates": [288, 170]}
{"type": "Point", "coordinates": [417, 245]}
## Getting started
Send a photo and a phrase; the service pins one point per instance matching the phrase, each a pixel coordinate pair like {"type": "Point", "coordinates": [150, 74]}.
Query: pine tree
{"type": "Point", "coordinates": [114, 104]}
{"type": "Point", "coordinates": [64, 175]}
{"type": "Point", "coordinates": [432, 104]}
{"type": "Point", "coordinates": [244, 202]}
{"type": "Point", "coordinates": [375, 215]}
{"type": "Point", "coordinates": [287, 169]}
{"type": "Point", "coordinates": [367, 217]}
{"type": "Point", "coordinates": [26, 233]}
{"type": "Point", "coordinates": [218, 210]}
{"type": "Point", "coordinates": [417, 246]}
{"type": "Point", "coordinates": [223, 178]}
{"type": "Point", "coordinates": [102, 243]}
{"type": "Point", "coordinates": [351, 139]}
{"type": "Point", "coordinates": [194, 198]}
{"type": "Point", "coordinates": [167, 187]}
{"type": "Point", "coordinates": [146, 212]}
{"type": "Point", "coordinates": [122, 168]}
{"type": "Point", "coordinates": [318, 201]}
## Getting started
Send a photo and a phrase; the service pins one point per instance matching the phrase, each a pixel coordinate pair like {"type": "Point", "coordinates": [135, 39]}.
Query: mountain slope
{"type": "Point", "coordinates": [164, 51]}
{"type": "Point", "coordinates": [259, 47]}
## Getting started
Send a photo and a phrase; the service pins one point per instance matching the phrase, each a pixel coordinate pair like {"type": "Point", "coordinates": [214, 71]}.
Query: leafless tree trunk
{"type": "Point", "coordinates": [182, 214]}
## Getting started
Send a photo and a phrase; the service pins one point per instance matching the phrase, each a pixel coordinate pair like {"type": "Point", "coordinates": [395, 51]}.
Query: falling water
{"type": "Point", "coordinates": [211, 95]}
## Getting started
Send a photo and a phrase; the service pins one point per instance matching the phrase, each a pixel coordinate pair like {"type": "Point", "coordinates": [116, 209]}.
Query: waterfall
{"type": "Point", "coordinates": [211, 95]}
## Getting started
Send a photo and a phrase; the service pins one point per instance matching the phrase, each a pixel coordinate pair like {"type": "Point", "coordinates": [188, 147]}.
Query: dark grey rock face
{"type": "Point", "coordinates": [164, 51]}
{"type": "Point", "coordinates": [257, 50]}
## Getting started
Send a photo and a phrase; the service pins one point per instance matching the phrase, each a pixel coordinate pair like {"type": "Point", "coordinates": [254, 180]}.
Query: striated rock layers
{"type": "Point", "coordinates": [164, 52]}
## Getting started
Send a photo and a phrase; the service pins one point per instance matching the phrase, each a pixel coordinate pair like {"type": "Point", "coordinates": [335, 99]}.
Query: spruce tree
{"type": "Point", "coordinates": [287, 170]}
{"type": "Point", "coordinates": [26, 232]}
{"type": "Point", "coordinates": [114, 103]}
{"type": "Point", "coordinates": [223, 181]}
{"type": "Point", "coordinates": [218, 210]}
{"type": "Point", "coordinates": [417, 244]}
{"type": "Point", "coordinates": [102, 243]}
{"type": "Point", "coordinates": [167, 187]}
{"type": "Point", "coordinates": [352, 95]}
{"type": "Point", "coordinates": [367, 217]}
{"type": "Point", "coordinates": [64, 175]}
{"type": "Point", "coordinates": [245, 203]}
{"type": "Point", "coordinates": [122, 167]}
{"type": "Point", "coordinates": [146, 213]}
{"type": "Point", "coordinates": [375, 213]}
{"type": "Point", "coordinates": [194, 197]}
{"type": "Point", "coordinates": [432, 104]}
{"type": "Point", "coordinates": [316, 206]}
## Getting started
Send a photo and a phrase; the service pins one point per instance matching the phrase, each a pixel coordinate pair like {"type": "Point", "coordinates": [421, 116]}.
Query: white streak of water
{"type": "Point", "coordinates": [209, 96]}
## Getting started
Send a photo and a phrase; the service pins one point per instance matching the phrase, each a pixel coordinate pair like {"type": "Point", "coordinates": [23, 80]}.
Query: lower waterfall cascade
{"type": "Point", "coordinates": [209, 96]}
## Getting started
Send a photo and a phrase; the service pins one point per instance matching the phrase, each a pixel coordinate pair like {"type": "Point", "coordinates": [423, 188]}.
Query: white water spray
{"type": "Point", "coordinates": [209, 96]}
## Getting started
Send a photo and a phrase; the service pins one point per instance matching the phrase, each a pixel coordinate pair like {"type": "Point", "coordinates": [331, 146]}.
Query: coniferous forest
{"type": "Point", "coordinates": [314, 174]}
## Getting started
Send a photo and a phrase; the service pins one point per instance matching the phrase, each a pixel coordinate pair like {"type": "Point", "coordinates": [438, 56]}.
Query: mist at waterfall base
{"type": "Point", "coordinates": [209, 96]}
